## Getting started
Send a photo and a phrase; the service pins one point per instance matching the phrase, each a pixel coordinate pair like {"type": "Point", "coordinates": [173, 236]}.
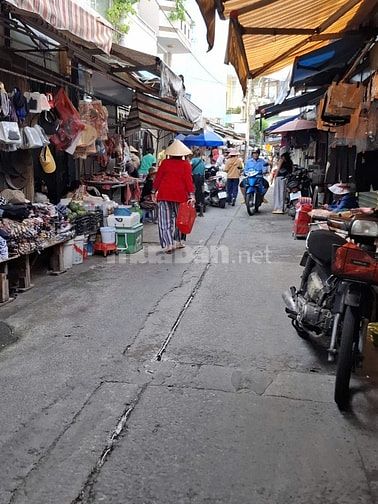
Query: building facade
{"type": "Point", "coordinates": [151, 29]}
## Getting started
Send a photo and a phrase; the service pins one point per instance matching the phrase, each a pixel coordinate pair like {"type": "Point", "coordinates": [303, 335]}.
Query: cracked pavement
{"type": "Point", "coordinates": [179, 380]}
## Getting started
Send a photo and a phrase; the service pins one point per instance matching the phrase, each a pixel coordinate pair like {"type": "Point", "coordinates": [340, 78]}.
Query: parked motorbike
{"type": "Point", "coordinates": [335, 297]}
{"type": "Point", "coordinates": [254, 191]}
{"type": "Point", "coordinates": [215, 188]}
{"type": "Point", "coordinates": [298, 184]}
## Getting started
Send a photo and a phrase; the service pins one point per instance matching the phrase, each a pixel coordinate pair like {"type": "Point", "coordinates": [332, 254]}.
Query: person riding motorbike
{"type": "Point", "coordinates": [255, 163]}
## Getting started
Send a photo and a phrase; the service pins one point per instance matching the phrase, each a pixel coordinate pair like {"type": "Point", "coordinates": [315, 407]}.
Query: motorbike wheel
{"type": "Point", "coordinates": [259, 199]}
{"type": "Point", "coordinates": [222, 203]}
{"type": "Point", "coordinates": [345, 358]}
{"type": "Point", "coordinates": [250, 203]}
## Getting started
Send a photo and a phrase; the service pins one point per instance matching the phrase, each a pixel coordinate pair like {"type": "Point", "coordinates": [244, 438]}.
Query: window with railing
{"type": "Point", "coordinates": [101, 6]}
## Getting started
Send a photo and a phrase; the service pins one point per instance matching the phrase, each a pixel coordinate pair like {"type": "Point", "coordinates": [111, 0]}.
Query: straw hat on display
{"type": "Point", "coordinates": [14, 196]}
{"type": "Point", "coordinates": [341, 189]}
{"type": "Point", "coordinates": [177, 149]}
{"type": "Point", "coordinates": [233, 152]}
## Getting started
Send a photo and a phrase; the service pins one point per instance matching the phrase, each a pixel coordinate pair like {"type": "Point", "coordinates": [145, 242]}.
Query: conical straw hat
{"type": "Point", "coordinates": [177, 148]}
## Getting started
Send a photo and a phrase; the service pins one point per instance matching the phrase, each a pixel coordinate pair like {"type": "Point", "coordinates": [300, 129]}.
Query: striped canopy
{"type": "Point", "coordinates": [85, 26]}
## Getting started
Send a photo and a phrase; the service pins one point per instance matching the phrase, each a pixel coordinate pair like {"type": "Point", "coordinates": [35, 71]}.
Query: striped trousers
{"type": "Point", "coordinates": [168, 232]}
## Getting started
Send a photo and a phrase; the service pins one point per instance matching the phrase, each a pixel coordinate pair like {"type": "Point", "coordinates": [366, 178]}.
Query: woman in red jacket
{"type": "Point", "coordinates": [174, 185]}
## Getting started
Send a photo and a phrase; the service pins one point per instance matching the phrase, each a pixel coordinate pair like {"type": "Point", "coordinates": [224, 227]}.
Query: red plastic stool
{"type": "Point", "coordinates": [105, 248]}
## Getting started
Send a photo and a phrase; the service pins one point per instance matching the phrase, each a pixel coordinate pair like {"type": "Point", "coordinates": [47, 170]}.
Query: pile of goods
{"type": "Point", "coordinates": [45, 224]}
{"type": "Point", "coordinates": [75, 210]}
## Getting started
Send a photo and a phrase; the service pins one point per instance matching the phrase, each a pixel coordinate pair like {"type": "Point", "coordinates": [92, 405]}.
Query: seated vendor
{"type": "Point", "coordinates": [344, 198]}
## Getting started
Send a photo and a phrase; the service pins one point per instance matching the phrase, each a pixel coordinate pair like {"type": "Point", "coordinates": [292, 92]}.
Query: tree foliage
{"type": "Point", "coordinates": [178, 13]}
{"type": "Point", "coordinates": [257, 130]}
{"type": "Point", "coordinates": [120, 10]}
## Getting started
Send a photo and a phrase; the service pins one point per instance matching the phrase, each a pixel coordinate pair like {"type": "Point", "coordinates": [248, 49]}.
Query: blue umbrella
{"type": "Point", "coordinates": [205, 139]}
{"type": "Point", "coordinates": [180, 137]}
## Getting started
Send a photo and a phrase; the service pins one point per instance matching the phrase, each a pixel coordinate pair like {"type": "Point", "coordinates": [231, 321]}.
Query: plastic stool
{"type": "Point", "coordinates": [105, 248]}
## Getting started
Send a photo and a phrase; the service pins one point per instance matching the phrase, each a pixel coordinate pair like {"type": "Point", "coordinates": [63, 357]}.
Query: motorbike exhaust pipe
{"type": "Point", "coordinates": [288, 298]}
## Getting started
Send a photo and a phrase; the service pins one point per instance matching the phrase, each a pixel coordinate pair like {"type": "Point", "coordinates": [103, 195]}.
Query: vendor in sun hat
{"type": "Point", "coordinates": [344, 197]}
{"type": "Point", "coordinates": [173, 185]}
{"type": "Point", "coordinates": [233, 167]}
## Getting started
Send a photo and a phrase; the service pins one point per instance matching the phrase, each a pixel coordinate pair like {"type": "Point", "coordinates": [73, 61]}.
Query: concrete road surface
{"type": "Point", "coordinates": [178, 379]}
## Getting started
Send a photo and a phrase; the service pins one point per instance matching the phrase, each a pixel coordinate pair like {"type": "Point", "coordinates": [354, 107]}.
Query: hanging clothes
{"type": "Point", "coordinates": [342, 165]}
{"type": "Point", "coordinates": [367, 171]}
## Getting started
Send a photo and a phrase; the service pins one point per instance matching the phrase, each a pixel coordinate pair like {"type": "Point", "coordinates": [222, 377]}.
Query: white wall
{"type": "Point", "coordinates": [205, 80]}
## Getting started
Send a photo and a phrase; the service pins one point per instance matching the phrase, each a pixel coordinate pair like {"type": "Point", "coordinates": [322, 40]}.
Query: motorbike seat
{"type": "Point", "coordinates": [320, 244]}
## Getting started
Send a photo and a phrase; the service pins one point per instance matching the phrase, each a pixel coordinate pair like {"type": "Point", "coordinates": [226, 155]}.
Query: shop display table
{"type": "Point", "coordinates": [17, 269]}
{"type": "Point", "coordinates": [109, 187]}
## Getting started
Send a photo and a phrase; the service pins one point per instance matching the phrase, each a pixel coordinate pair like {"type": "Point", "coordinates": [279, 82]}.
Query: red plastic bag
{"type": "Point", "coordinates": [65, 107]}
{"type": "Point", "coordinates": [185, 218]}
{"type": "Point", "coordinates": [70, 125]}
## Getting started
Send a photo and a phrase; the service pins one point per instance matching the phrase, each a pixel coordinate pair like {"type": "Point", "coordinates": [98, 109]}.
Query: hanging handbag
{"type": "Point", "coordinates": [44, 138]}
{"type": "Point", "coordinates": [32, 138]}
{"type": "Point", "coordinates": [343, 99]}
{"type": "Point", "coordinates": [10, 133]}
{"type": "Point", "coordinates": [50, 99]}
{"type": "Point", "coordinates": [186, 216]}
{"type": "Point", "coordinates": [49, 121]}
{"type": "Point", "coordinates": [47, 161]}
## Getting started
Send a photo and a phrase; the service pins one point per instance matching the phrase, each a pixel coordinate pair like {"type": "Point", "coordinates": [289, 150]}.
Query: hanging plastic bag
{"type": "Point", "coordinates": [64, 106]}
{"type": "Point", "coordinates": [70, 126]}
{"type": "Point", "coordinates": [68, 130]}
{"type": "Point", "coordinates": [185, 218]}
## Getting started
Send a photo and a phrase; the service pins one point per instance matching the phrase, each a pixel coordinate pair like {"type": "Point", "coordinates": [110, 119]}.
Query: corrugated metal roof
{"type": "Point", "coordinates": [266, 35]}
{"type": "Point", "coordinates": [151, 112]}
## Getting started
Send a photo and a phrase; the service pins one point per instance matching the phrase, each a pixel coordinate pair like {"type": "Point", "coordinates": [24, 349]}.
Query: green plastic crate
{"type": "Point", "coordinates": [129, 240]}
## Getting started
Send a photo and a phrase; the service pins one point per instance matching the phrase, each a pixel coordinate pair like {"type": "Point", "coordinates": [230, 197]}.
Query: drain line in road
{"type": "Point", "coordinates": [181, 314]}
{"type": "Point", "coordinates": [87, 488]}
{"type": "Point", "coordinates": [188, 302]}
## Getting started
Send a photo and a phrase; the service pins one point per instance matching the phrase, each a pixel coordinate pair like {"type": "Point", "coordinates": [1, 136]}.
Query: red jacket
{"type": "Point", "coordinates": [174, 181]}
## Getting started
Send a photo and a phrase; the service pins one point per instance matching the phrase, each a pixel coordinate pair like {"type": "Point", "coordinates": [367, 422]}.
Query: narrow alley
{"type": "Point", "coordinates": [179, 380]}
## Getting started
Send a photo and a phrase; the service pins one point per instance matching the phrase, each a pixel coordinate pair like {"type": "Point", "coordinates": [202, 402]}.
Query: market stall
{"type": "Point", "coordinates": [73, 106]}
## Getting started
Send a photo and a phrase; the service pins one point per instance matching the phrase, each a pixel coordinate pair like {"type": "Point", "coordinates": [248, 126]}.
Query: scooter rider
{"type": "Point", "coordinates": [255, 163]}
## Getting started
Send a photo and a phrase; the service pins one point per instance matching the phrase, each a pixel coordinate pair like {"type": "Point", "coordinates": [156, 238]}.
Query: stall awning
{"type": "Point", "coordinates": [267, 35]}
{"type": "Point", "coordinates": [320, 67]}
{"type": "Point", "coordinates": [85, 27]}
{"type": "Point", "coordinates": [280, 123]}
{"type": "Point", "coordinates": [295, 102]}
{"type": "Point", "coordinates": [150, 112]}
